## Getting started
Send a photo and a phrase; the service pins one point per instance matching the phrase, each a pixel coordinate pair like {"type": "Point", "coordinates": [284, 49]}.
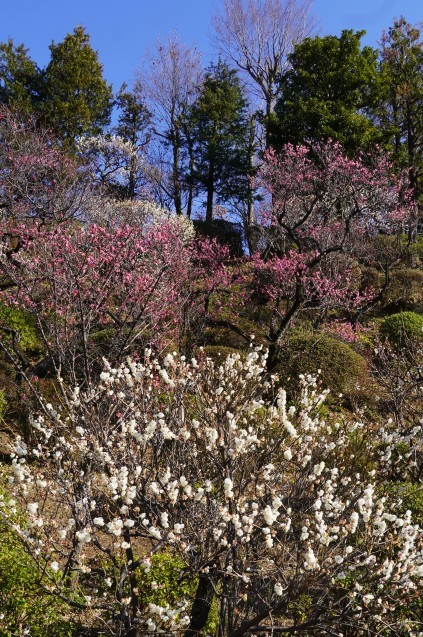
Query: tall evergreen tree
{"type": "Point", "coordinates": [401, 109]}
{"type": "Point", "coordinates": [78, 99]}
{"type": "Point", "coordinates": [20, 78]}
{"type": "Point", "coordinates": [220, 129]}
{"type": "Point", "coordinates": [329, 92]}
{"type": "Point", "coordinates": [134, 116]}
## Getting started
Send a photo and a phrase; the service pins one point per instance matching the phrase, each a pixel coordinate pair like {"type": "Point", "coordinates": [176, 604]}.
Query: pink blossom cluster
{"type": "Point", "coordinates": [345, 331]}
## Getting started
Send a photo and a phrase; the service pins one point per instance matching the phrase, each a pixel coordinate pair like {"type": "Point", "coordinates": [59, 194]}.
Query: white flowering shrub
{"type": "Point", "coordinates": [279, 516]}
{"type": "Point", "coordinates": [143, 213]}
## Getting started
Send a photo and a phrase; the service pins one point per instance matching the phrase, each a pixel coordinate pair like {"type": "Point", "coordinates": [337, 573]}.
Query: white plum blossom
{"type": "Point", "coordinates": [208, 465]}
{"type": "Point", "coordinates": [278, 589]}
{"type": "Point", "coordinates": [98, 521]}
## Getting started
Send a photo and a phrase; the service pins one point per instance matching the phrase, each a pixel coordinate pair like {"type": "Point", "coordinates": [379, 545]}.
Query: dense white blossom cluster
{"type": "Point", "coordinates": [107, 143]}
{"type": "Point", "coordinates": [263, 500]}
{"type": "Point", "coordinates": [143, 213]}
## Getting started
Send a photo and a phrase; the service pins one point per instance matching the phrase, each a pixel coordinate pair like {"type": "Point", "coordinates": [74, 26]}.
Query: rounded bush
{"type": "Point", "coordinates": [402, 327]}
{"type": "Point", "coordinates": [342, 370]}
{"type": "Point", "coordinates": [405, 293]}
{"type": "Point", "coordinates": [23, 324]}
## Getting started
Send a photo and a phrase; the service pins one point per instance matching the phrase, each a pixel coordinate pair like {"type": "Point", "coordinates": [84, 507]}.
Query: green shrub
{"type": "Point", "coordinates": [22, 323]}
{"type": "Point", "coordinates": [416, 248]}
{"type": "Point", "coordinates": [342, 370]}
{"type": "Point", "coordinates": [223, 337]}
{"type": "Point", "coordinates": [25, 608]}
{"type": "Point", "coordinates": [405, 291]}
{"type": "Point", "coordinates": [402, 327]}
{"type": "Point", "coordinates": [164, 583]}
{"type": "Point", "coordinates": [167, 582]}
{"type": "Point", "coordinates": [411, 498]}
{"type": "Point", "coordinates": [3, 405]}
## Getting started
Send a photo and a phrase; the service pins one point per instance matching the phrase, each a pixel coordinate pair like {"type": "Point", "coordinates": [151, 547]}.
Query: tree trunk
{"type": "Point", "coordinates": [176, 147]}
{"type": "Point", "coordinates": [412, 172]}
{"type": "Point", "coordinates": [270, 109]}
{"type": "Point", "coordinates": [249, 230]}
{"type": "Point", "coordinates": [190, 180]}
{"type": "Point", "coordinates": [210, 193]}
{"type": "Point", "coordinates": [201, 606]}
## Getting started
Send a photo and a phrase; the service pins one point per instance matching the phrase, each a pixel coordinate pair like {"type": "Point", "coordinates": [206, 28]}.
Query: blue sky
{"type": "Point", "coordinates": [122, 30]}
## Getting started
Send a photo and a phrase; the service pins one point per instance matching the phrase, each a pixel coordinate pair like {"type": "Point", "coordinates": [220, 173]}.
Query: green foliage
{"type": "Point", "coordinates": [22, 323]}
{"type": "Point", "coordinates": [219, 130]}
{"type": "Point", "coordinates": [134, 116]}
{"type": "Point", "coordinates": [133, 126]}
{"type": "Point", "coordinates": [326, 93]}
{"type": "Point", "coordinates": [218, 353]}
{"type": "Point", "coordinates": [301, 608]}
{"type": "Point", "coordinates": [78, 100]}
{"type": "Point", "coordinates": [3, 405]}
{"type": "Point", "coordinates": [405, 291]}
{"type": "Point", "coordinates": [416, 248]}
{"type": "Point", "coordinates": [25, 607]}
{"type": "Point", "coordinates": [223, 338]}
{"type": "Point", "coordinates": [400, 110]}
{"type": "Point", "coordinates": [20, 78]}
{"type": "Point", "coordinates": [165, 582]}
{"type": "Point", "coordinates": [401, 327]}
{"type": "Point", "coordinates": [411, 498]}
{"type": "Point", "coordinates": [342, 370]}
{"type": "Point", "coordinates": [70, 96]}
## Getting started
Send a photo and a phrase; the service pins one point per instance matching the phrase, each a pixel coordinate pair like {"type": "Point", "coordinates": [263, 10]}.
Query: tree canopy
{"type": "Point", "coordinates": [78, 100]}
{"type": "Point", "coordinates": [20, 78]}
{"type": "Point", "coordinates": [328, 93]}
{"type": "Point", "coordinates": [401, 109]}
{"type": "Point", "coordinates": [220, 125]}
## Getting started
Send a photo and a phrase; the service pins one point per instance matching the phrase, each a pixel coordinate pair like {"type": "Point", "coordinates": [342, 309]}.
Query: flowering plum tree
{"type": "Point", "coordinates": [325, 211]}
{"type": "Point", "coordinates": [95, 290]}
{"type": "Point", "coordinates": [274, 513]}
{"type": "Point", "coordinates": [38, 180]}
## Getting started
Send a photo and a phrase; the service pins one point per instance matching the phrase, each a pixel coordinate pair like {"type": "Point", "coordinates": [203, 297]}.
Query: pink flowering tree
{"type": "Point", "coordinates": [38, 180]}
{"type": "Point", "coordinates": [95, 291]}
{"type": "Point", "coordinates": [280, 519]}
{"type": "Point", "coordinates": [324, 211]}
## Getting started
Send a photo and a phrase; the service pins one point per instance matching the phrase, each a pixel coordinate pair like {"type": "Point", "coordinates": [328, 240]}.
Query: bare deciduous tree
{"type": "Point", "coordinates": [258, 36]}
{"type": "Point", "coordinates": [171, 78]}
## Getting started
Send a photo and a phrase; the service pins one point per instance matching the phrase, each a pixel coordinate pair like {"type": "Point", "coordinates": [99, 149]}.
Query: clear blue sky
{"type": "Point", "coordinates": [121, 30]}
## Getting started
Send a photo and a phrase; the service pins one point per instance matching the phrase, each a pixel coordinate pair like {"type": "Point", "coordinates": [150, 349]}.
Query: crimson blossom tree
{"type": "Point", "coordinates": [95, 291]}
{"type": "Point", "coordinates": [324, 212]}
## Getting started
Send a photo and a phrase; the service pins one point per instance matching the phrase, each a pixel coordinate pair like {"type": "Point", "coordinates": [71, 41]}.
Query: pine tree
{"type": "Point", "coordinates": [220, 131]}
{"type": "Point", "coordinates": [401, 110]}
{"type": "Point", "coordinates": [78, 100]}
{"type": "Point", "coordinates": [20, 78]}
{"type": "Point", "coordinates": [134, 127]}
